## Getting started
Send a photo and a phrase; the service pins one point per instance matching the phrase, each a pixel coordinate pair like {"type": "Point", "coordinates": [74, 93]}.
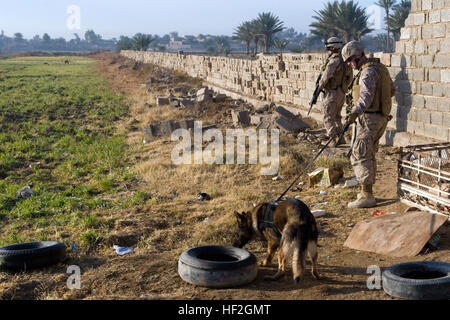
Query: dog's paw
{"type": "Point", "coordinates": [296, 280]}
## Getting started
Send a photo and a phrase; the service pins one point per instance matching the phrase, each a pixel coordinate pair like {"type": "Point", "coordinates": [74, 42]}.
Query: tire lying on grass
{"type": "Point", "coordinates": [428, 280]}
{"type": "Point", "coordinates": [32, 255]}
{"type": "Point", "coordinates": [217, 266]}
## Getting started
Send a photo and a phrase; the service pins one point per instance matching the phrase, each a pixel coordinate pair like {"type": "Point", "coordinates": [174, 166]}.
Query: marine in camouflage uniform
{"type": "Point", "coordinates": [372, 93]}
{"type": "Point", "coordinates": [331, 85]}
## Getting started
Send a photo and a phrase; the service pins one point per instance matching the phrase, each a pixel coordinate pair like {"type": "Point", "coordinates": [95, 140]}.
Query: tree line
{"type": "Point", "coordinates": [265, 33]}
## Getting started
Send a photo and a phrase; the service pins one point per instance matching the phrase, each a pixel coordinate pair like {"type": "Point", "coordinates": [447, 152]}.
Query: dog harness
{"type": "Point", "coordinates": [267, 218]}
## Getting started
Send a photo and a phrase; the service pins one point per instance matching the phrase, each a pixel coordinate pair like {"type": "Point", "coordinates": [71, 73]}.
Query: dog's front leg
{"type": "Point", "coordinates": [271, 249]}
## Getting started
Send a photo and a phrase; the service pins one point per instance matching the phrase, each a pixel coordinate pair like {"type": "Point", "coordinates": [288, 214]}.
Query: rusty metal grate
{"type": "Point", "coordinates": [424, 177]}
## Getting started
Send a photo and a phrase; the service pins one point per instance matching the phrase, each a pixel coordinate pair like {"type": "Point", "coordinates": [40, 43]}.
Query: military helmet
{"type": "Point", "coordinates": [353, 48]}
{"type": "Point", "coordinates": [334, 43]}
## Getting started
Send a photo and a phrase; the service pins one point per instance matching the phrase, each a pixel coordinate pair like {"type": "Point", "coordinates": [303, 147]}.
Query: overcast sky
{"type": "Point", "coordinates": [112, 18]}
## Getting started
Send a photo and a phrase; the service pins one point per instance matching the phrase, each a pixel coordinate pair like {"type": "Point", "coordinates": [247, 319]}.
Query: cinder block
{"type": "Point", "coordinates": [162, 101]}
{"type": "Point", "coordinates": [439, 30]}
{"type": "Point", "coordinates": [445, 75]}
{"type": "Point", "coordinates": [434, 16]}
{"type": "Point", "coordinates": [427, 4]}
{"type": "Point", "coordinates": [424, 116]}
{"type": "Point", "coordinates": [445, 15]}
{"type": "Point", "coordinates": [418, 101]}
{"type": "Point", "coordinates": [427, 32]}
{"type": "Point", "coordinates": [437, 118]}
{"type": "Point", "coordinates": [434, 75]}
{"type": "Point", "coordinates": [442, 61]}
{"type": "Point", "coordinates": [438, 90]}
{"type": "Point", "coordinates": [240, 117]}
{"type": "Point", "coordinates": [438, 4]}
{"type": "Point", "coordinates": [432, 103]}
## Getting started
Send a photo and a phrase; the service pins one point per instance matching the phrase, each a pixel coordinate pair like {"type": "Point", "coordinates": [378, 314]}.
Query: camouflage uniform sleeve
{"type": "Point", "coordinates": [368, 85]}
{"type": "Point", "coordinates": [329, 72]}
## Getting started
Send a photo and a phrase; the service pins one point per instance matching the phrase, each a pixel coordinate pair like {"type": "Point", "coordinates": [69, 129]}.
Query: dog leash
{"type": "Point", "coordinates": [311, 162]}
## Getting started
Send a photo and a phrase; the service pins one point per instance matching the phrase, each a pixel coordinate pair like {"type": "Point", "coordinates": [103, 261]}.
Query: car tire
{"type": "Point", "coordinates": [204, 266]}
{"type": "Point", "coordinates": [32, 255]}
{"type": "Point", "coordinates": [406, 280]}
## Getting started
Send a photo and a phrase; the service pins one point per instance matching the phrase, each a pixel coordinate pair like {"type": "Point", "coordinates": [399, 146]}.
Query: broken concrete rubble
{"type": "Point", "coordinates": [165, 128]}
{"type": "Point", "coordinates": [325, 176]}
{"type": "Point", "coordinates": [162, 101]}
{"type": "Point", "coordinates": [240, 117]}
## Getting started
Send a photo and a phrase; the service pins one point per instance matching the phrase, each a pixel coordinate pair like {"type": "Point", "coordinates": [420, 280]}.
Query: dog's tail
{"type": "Point", "coordinates": [296, 238]}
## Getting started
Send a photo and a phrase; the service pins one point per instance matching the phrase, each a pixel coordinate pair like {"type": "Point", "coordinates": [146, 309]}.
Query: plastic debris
{"type": "Point", "coordinates": [434, 240]}
{"type": "Point", "coordinates": [277, 178]}
{"type": "Point", "coordinates": [203, 196]}
{"type": "Point", "coordinates": [122, 250]}
{"type": "Point", "coordinates": [318, 213]}
{"type": "Point", "coordinates": [351, 183]}
{"type": "Point", "coordinates": [323, 192]}
{"type": "Point", "coordinates": [377, 213]}
{"type": "Point", "coordinates": [25, 193]}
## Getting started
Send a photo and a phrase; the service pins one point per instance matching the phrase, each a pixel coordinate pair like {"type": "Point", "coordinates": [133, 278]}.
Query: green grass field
{"type": "Point", "coordinates": [57, 135]}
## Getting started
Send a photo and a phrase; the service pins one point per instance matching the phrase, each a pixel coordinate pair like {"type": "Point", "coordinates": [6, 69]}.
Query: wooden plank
{"type": "Point", "coordinates": [397, 235]}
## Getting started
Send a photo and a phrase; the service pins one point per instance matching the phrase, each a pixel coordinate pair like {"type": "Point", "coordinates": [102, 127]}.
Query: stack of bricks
{"type": "Point", "coordinates": [420, 68]}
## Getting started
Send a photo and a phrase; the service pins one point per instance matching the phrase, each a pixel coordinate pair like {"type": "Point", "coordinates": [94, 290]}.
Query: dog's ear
{"type": "Point", "coordinates": [239, 216]}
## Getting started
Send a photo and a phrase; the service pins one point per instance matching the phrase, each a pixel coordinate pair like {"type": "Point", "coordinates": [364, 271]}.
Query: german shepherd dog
{"type": "Point", "coordinates": [289, 227]}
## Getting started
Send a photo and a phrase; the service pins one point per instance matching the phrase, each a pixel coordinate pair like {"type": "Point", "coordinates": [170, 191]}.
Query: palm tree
{"type": "Point", "coordinates": [387, 6]}
{"type": "Point", "coordinates": [267, 25]}
{"type": "Point", "coordinates": [142, 41]}
{"type": "Point", "coordinates": [222, 44]}
{"type": "Point", "coordinates": [397, 18]}
{"type": "Point", "coordinates": [244, 33]}
{"type": "Point", "coordinates": [280, 44]}
{"type": "Point", "coordinates": [326, 18]}
{"type": "Point", "coordinates": [256, 34]}
{"type": "Point", "coordinates": [342, 19]}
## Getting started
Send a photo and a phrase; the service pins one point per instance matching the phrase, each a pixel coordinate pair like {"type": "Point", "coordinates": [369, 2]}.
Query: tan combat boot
{"type": "Point", "coordinates": [365, 199]}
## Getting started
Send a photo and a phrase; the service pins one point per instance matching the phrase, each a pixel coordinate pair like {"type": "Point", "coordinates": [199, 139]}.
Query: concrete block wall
{"type": "Point", "coordinates": [419, 67]}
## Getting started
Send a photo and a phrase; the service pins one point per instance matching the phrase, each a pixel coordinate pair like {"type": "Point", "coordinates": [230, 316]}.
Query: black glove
{"type": "Point", "coordinates": [351, 118]}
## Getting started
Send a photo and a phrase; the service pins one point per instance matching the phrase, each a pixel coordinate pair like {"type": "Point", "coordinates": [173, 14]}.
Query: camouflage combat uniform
{"type": "Point", "coordinates": [334, 95]}
{"type": "Point", "coordinates": [372, 90]}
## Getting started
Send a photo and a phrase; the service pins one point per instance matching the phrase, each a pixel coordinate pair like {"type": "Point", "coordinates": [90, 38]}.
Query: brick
{"type": "Point", "coordinates": [427, 32]}
{"type": "Point", "coordinates": [240, 117]}
{"type": "Point", "coordinates": [424, 116]}
{"type": "Point", "coordinates": [438, 90]}
{"type": "Point", "coordinates": [445, 75]}
{"type": "Point", "coordinates": [437, 118]}
{"type": "Point", "coordinates": [433, 46]}
{"type": "Point", "coordinates": [446, 119]}
{"type": "Point", "coordinates": [439, 30]}
{"type": "Point", "coordinates": [434, 75]}
{"type": "Point", "coordinates": [434, 17]}
{"type": "Point", "coordinates": [445, 15]}
{"type": "Point", "coordinates": [438, 4]}
{"type": "Point", "coordinates": [419, 47]}
{"type": "Point", "coordinates": [427, 4]}
{"type": "Point", "coordinates": [162, 101]}
{"type": "Point", "coordinates": [442, 61]}
{"type": "Point", "coordinates": [418, 101]}
{"type": "Point", "coordinates": [426, 88]}
{"type": "Point", "coordinates": [426, 61]}
{"type": "Point", "coordinates": [405, 34]}
{"type": "Point", "coordinates": [445, 46]}
{"type": "Point", "coordinates": [432, 103]}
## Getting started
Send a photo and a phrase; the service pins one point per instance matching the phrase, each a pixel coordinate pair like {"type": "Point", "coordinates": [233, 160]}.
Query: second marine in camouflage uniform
{"type": "Point", "coordinates": [331, 83]}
